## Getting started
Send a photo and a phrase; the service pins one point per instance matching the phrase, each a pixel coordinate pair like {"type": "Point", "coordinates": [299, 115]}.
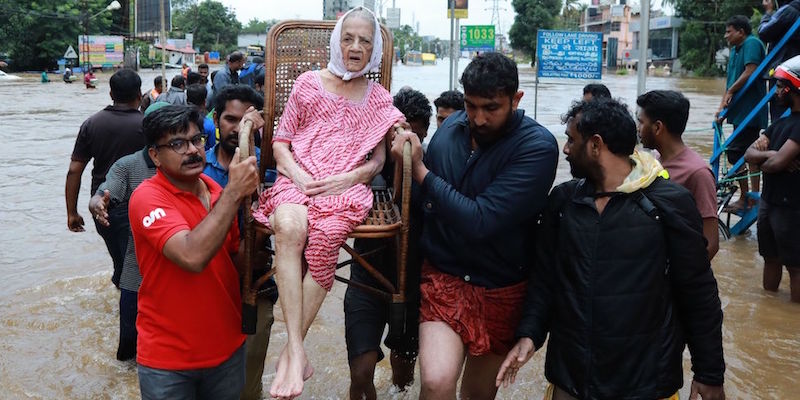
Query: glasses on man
{"type": "Point", "coordinates": [181, 146]}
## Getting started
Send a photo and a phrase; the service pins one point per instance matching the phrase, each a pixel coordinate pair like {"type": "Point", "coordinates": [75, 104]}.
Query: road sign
{"type": "Point", "coordinates": [462, 8]}
{"type": "Point", "coordinates": [477, 37]}
{"type": "Point", "coordinates": [393, 18]}
{"type": "Point", "coordinates": [70, 53]}
{"type": "Point", "coordinates": [564, 54]}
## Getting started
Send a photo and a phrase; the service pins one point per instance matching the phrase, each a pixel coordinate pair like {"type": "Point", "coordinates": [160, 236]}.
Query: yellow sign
{"type": "Point", "coordinates": [461, 8]}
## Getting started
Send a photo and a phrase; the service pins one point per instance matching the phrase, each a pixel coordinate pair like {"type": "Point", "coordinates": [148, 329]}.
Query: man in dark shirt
{"type": "Point", "coordinates": [777, 151]}
{"type": "Point", "coordinates": [106, 136]}
{"type": "Point", "coordinates": [621, 281]}
{"type": "Point", "coordinates": [484, 180]}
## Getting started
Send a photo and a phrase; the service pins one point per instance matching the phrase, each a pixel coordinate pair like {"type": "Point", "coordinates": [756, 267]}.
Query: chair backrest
{"type": "Point", "coordinates": [294, 47]}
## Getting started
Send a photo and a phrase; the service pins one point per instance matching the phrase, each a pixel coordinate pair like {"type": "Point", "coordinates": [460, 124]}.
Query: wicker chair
{"type": "Point", "coordinates": [294, 47]}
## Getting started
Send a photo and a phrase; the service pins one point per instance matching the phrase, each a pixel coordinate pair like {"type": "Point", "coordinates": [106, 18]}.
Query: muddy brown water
{"type": "Point", "coordinates": [59, 312]}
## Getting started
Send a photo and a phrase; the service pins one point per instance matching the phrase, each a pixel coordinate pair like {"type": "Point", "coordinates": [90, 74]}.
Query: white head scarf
{"type": "Point", "coordinates": [336, 64]}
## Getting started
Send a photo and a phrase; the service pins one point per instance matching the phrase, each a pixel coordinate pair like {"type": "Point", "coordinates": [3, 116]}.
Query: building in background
{"type": "Point", "coordinates": [333, 9]}
{"type": "Point", "coordinates": [663, 47]}
{"type": "Point", "coordinates": [613, 19]}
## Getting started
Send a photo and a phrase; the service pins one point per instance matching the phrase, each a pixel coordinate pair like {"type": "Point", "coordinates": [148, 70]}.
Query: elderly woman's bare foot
{"type": "Point", "coordinates": [308, 370]}
{"type": "Point", "coordinates": [292, 370]}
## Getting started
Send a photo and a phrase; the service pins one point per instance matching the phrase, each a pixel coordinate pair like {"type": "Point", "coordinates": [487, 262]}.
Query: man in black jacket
{"type": "Point", "coordinates": [621, 280]}
{"type": "Point", "coordinates": [483, 182]}
{"type": "Point", "coordinates": [773, 26]}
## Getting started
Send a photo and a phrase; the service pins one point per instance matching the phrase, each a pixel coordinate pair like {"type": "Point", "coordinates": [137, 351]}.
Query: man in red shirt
{"type": "Point", "coordinates": [186, 237]}
{"type": "Point", "coordinates": [662, 119]}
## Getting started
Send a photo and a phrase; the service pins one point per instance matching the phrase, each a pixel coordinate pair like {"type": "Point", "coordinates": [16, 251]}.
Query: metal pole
{"type": "Point", "coordinates": [85, 46]}
{"type": "Point", "coordinates": [644, 41]}
{"type": "Point", "coordinates": [163, 47]}
{"type": "Point", "coordinates": [457, 47]}
{"type": "Point", "coordinates": [452, 39]}
{"type": "Point", "coordinates": [536, 91]}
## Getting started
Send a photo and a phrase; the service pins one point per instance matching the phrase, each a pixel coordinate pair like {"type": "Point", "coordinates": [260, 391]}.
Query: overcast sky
{"type": "Point", "coordinates": [431, 14]}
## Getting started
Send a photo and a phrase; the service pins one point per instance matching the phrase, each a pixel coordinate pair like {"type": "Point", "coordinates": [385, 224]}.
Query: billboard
{"type": "Point", "coordinates": [103, 51]}
{"type": "Point", "coordinates": [461, 8]}
{"type": "Point", "coordinates": [148, 16]}
{"type": "Point", "coordinates": [564, 54]}
{"type": "Point", "coordinates": [477, 37]}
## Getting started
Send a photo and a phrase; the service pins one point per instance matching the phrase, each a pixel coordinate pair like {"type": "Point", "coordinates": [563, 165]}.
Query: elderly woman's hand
{"type": "Point", "coordinates": [332, 185]}
{"type": "Point", "coordinates": [302, 179]}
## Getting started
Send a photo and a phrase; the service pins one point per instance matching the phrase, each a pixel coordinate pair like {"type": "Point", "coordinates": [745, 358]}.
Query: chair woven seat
{"type": "Point", "coordinates": [383, 220]}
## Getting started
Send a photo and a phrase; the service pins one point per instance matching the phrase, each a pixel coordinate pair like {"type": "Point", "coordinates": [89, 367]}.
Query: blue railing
{"type": "Point", "coordinates": [748, 217]}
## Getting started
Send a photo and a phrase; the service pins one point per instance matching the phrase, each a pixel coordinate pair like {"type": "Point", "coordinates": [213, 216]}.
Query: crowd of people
{"type": "Point", "coordinates": [611, 269]}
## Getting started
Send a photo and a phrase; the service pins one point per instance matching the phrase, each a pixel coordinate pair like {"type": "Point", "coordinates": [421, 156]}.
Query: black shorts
{"type": "Point", "coordinates": [778, 237]}
{"type": "Point", "coordinates": [366, 315]}
{"type": "Point", "coordinates": [741, 143]}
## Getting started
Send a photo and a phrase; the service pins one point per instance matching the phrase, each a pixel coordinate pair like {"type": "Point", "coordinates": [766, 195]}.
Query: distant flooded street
{"type": "Point", "coordinates": [59, 318]}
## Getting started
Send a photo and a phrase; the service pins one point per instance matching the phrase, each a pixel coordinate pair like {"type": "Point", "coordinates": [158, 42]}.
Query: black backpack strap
{"type": "Point", "coordinates": [646, 205]}
{"type": "Point", "coordinates": [653, 212]}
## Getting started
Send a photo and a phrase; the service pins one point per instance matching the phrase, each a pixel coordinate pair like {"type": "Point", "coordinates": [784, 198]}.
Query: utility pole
{"type": "Point", "coordinates": [85, 47]}
{"type": "Point", "coordinates": [163, 45]}
{"type": "Point", "coordinates": [644, 41]}
{"type": "Point", "coordinates": [453, 59]}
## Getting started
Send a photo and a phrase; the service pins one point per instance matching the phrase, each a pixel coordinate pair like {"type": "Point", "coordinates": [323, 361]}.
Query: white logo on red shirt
{"type": "Point", "coordinates": [153, 217]}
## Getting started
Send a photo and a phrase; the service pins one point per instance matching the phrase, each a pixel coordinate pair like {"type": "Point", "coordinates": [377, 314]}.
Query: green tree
{"type": "Point", "coordinates": [571, 15]}
{"type": "Point", "coordinates": [406, 39]}
{"type": "Point", "coordinates": [703, 30]}
{"type": "Point", "coordinates": [532, 15]}
{"type": "Point", "coordinates": [256, 25]}
{"type": "Point", "coordinates": [214, 26]}
{"type": "Point", "coordinates": [36, 34]}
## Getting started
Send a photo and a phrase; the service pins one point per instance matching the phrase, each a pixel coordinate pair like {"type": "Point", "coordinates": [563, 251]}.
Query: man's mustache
{"type": "Point", "coordinates": [193, 159]}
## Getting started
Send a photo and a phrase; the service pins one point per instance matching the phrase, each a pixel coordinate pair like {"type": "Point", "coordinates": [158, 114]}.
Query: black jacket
{"type": "Point", "coordinates": [480, 207]}
{"type": "Point", "coordinates": [622, 292]}
{"type": "Point", "coordinates": [774, 26]}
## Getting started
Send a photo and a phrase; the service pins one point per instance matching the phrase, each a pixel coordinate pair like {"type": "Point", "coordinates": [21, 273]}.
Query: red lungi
{"type": "Point", "coordinates": [486, 319]}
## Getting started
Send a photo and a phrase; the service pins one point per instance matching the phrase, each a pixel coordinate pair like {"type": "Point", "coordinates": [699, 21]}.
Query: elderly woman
{"type": "Point", "coordinates": [328, 146]}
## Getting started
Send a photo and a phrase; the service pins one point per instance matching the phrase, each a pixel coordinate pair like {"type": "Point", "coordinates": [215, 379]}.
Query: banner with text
{"type": "Point", "coordinates": [102, 51]}
{"type": "Point", "coordinates": [574, 55]}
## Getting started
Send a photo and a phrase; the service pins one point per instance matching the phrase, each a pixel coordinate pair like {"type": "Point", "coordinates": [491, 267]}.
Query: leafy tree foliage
{"type": "Point", "coordinates": [703, 30]}
{"type": "Point", "coordinates": [256, 25]}
{"type": "Point", "coordinates": [571, 15]}
{"type": "Point", "coordinates": [35, 34]}
{"type": "Point", "coordinates": [214, 26]}
{"type": "Point", "coordinates": [532, 15]}
{"type": "Point", "coordinates": [405, 39]}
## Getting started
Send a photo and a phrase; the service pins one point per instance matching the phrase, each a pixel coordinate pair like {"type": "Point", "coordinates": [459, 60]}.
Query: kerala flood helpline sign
{"type": "Point", "coordinates": [564, 54]}
{"type": "Point", "coordinates": [477, 37]}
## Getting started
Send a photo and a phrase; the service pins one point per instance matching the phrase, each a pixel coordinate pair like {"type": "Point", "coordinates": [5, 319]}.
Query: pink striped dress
{"type": "Point", "coordinates": [329, 135]}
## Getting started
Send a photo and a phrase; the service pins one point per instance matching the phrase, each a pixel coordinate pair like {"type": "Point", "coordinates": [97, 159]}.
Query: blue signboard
{"type": "Point", "coordinates": [575, 55]}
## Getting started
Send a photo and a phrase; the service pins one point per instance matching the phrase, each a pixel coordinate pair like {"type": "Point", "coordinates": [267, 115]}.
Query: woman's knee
{"type": "Point", "coordinates": [290, 229]}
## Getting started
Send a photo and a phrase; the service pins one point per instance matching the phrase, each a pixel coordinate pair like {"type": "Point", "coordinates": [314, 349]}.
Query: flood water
{"type": "Point", "coordinates": [58, 308]}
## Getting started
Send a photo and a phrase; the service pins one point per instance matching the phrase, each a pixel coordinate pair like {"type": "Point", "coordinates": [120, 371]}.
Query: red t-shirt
{"type": "Point", "coordinates": [689, 170]}
{"type": "Point", "coordinates": [186, 320]}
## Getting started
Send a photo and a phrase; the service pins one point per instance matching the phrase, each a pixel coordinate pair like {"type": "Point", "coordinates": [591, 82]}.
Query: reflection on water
{"type": "Point", "coordinates": [59, 310]}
